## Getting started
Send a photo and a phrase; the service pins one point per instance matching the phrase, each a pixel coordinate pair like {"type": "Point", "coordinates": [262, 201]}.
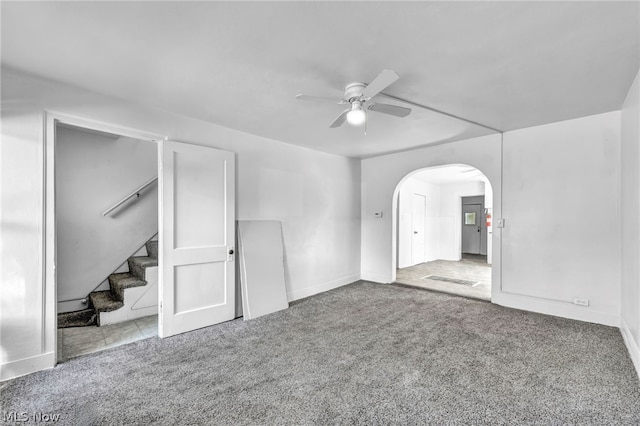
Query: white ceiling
{"type": "Point", "coordinates": [508, 65]}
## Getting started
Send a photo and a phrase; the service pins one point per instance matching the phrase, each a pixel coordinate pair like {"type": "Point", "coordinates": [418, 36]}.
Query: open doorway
{"type": "Point", "coordinates": [195, 211]}
{"type": "Point", "coordinates": [106, 222]}
{"type": "Point", "coordinates": [445, 246]}
{"type": "Point", "coordinates": [474, 228]}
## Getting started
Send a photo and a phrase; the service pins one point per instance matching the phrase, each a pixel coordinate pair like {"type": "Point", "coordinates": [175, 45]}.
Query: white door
{"type": "Point", "coordinates": [196, 237]}
{"type": "Point", "coordinates": [418, 216]}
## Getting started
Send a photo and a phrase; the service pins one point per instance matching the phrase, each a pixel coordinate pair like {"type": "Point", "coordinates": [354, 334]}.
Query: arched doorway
{"type": "Point", "coordinates": [442, 230]}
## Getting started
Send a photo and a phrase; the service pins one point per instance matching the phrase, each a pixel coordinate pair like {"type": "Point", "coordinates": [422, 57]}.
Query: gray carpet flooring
{"type": "Point", "coordinates": [361, 354]}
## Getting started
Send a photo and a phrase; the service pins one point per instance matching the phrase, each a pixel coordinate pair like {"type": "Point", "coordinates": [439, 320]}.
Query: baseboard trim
{"type": "Point", "coordinates": [376, 278]}
{"type": "Point", "coordinates": [556, 308]}
{"type": "Point", "coordinates": [632, 345]}
{"type": "Point", "coordinates": [22, 367]}
{"type": "Point", "coordinates": [320, 288]}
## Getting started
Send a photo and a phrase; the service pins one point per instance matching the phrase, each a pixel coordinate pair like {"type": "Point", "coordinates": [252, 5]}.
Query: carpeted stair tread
{"type": "Point", "coordinates": [104, 301]}
{"type": "Point", "coordinates": [138, 264]}
{"type": "Point", "coordinates": [82, 318]}
{"type": "Point", "coordinates": [118, 282]}
{"type": "Point", "coordinates": [152, 249]}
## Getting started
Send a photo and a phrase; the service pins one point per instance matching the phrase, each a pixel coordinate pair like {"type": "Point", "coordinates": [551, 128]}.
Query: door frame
{"type": "Point", "coordinates": [49, 343]}
{"type": "Point", "coordinates": [482, 220]}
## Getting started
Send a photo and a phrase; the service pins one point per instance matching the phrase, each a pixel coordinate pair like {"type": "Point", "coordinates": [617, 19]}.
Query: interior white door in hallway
{"type": "Point", "coordinates": [418, 217]}
{"type": "Point", "coordinates": [471, 228]}
{"type": "Point", "coordinates": [197, 235]}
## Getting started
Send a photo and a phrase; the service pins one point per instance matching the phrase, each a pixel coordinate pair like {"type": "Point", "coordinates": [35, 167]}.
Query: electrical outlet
{"type": "Point", "coordinates": [581, 302]}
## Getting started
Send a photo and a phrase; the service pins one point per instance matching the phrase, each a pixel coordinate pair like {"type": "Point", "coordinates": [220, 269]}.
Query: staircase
{"type": "Point", "coordinates": [131, 295]}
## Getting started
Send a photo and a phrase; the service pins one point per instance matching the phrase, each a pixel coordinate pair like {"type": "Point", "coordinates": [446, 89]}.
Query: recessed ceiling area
{"type": "Point", "coordinates": [507, 65]}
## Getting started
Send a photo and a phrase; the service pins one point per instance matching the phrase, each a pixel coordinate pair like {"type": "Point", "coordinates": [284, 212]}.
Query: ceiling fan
{"type": "Point", "coordinates": [357, 95]}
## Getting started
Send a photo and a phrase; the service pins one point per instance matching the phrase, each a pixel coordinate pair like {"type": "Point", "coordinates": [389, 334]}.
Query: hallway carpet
{"type": "Point", "coordinates": [362, 354]}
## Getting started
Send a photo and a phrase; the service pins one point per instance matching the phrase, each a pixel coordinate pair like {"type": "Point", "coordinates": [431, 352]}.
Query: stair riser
{"type": "Point", "coordinates": [152, 249]}
{"type": "Point", "coordinates": [114, 289]}
{"type": "Point", "coordinates": [135, 269]}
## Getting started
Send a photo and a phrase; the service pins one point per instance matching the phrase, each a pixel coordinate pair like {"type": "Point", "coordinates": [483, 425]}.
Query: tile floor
{"type": "Point", "coordinates": [75, 341]}
{"type": "Point", "coordinates": [471, 268]}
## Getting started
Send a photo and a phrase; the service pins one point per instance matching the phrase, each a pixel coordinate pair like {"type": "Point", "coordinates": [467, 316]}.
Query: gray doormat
{"type": "Point", "coordinates": [451, 280]}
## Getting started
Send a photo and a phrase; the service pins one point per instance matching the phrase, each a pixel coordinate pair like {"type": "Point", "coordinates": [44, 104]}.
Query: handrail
{"type": "Point", "coordinates": [134, 193]}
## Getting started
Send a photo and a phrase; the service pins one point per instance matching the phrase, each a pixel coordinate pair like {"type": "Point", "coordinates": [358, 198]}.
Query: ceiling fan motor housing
{"type": "Point", "coordinates": [353, 91]}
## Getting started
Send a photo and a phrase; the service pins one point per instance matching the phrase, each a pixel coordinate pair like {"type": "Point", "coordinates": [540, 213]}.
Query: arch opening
{"type": "Point", "coordinates": [442, 230]}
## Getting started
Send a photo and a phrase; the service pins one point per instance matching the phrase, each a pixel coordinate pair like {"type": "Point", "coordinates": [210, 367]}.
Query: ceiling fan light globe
{"type": "Point", "coordinates": [356, 117]}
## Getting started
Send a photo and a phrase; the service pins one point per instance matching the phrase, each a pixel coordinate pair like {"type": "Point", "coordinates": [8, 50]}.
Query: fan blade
{"type": "Point", "coordinates": [319, 99]}
{"type": "Point", "coordinates": [341, 118]}
{"type": "Point", "coordinates": [384, 79]}
{"type": "Point", "coordinates": [390, 109]}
